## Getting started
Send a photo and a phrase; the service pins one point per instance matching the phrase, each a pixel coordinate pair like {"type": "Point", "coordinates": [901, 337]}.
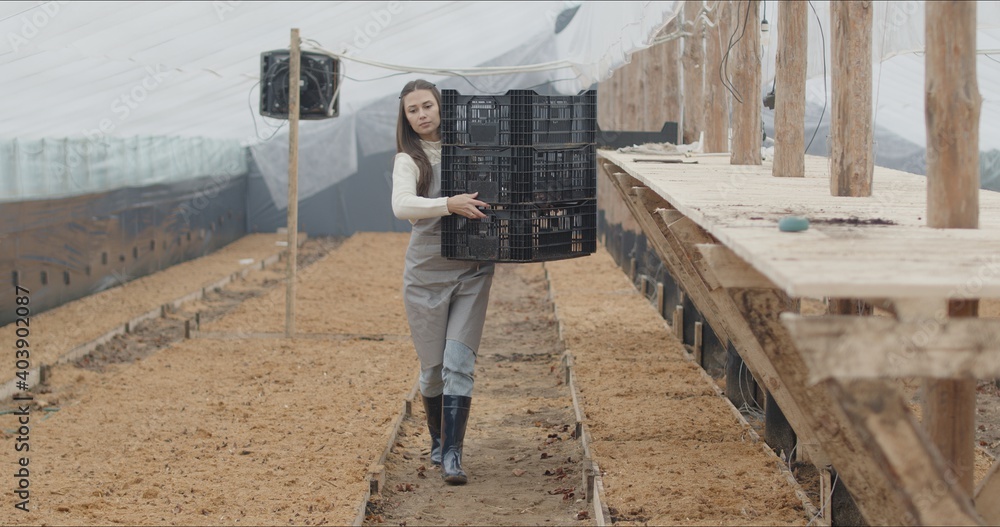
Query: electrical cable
{"type": "Point", "coordinates": [268, 73]}
{"type": "Point", "coordinates": [458, 72]}
{"type": "Point", "coordinates": [819, 513]}
{"type": "Point", "coordinates": [253, 117]}
{"type": "Point", "coordinates": [725, 59]}
{"type": "Point", "coordinates": [822, 37]}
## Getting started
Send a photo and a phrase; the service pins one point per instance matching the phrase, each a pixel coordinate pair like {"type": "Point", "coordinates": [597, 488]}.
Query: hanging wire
{"type": "Point", "coordinates": [825, 95]}
{"type": "Point", "coordinates": [456, 72]}
{"type": "Point", "coordinates": [253, 116]}
{"type": "Point", "coordinates": [821, 512]}
{"type": "Point", "coordinates": [725, 59]}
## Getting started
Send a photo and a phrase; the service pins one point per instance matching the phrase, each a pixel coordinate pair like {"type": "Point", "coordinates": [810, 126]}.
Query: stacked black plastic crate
{"type": "Point", "coordinates": [531, 157]}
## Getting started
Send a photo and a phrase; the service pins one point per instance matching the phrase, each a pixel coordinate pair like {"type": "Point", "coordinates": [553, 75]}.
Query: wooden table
{"type": "Point", "coordinates": [715, 227]}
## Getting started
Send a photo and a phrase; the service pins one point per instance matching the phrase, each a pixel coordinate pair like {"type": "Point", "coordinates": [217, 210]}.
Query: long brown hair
{"type": "Point", "coordinates": [407, 140]}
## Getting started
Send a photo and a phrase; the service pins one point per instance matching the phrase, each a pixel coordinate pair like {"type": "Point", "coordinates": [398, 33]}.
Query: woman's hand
{"type": "Point", "coordinates": [465, 205]}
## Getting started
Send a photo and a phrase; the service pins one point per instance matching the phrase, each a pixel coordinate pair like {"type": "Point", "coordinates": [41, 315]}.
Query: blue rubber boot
{"type": "Point", "coordinates": [432, 407]}
{"type": "Point", "coordinates": [455, 417]}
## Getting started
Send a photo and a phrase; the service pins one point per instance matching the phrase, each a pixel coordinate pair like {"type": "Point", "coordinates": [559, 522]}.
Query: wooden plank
{"type": "Point", "coordinates": [746, 81]}
{"type": "Point", "coordinates": [790, 82]}
{"type": "Point", "coordinates": [845, 252]}
{"type": "Point", "coordinates": [727, 269]}
{"type": "Point", "coordinates": [851, 156]}
{"type": "Point", "coordinates": [921, 480]}
{"type": "Point", "coordinates": [847, 451]}
{"type": "Point", "coordinates": [988, 496]}
{"type": "Point", "coordinates": [851, 347]}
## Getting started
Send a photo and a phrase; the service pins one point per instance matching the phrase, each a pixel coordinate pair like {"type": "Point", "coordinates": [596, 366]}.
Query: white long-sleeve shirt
{"type": "Point", "coordinates": [406, 204]}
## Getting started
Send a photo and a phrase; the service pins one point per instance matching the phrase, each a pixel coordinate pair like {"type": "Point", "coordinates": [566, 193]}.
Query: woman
{"type": "Point", "coordinates": [445, 299]}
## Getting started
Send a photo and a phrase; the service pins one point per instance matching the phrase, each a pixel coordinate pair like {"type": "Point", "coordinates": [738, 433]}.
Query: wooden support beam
{"type": "Point", "coordinates": [716, 95]}
{"type": "Point", "coordinates": [851, 157]}
{"type": "Point", "coordinates": [720, 265]}
{"type": "Point", "coordinates": [845, 449]}
{"type": "Point", "coordinates": [851, 347]}
{"type": "Point", "coordinates": [920, 480]}
{"type": "Point", "coordinates": [953, 109]}
{"type": "Point", "coordinates": [693, 62]}
{"type": "Point", "coordinates": [952, 115]}
{"type": "Point", "coordinates": [721, 314]}
{"type": "Point", "coordinates": [650, 200]}
{"type": "Point", "coordinates": [988, 496]}
{"type": "Point", "coordinates": [790, 90]}
{"type": "Point", "coordinates": [746, 80]}
{"type": "Point", "coordinates": [669, 215]}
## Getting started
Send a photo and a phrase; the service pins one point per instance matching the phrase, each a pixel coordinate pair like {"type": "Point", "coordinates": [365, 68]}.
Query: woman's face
{"type": "Point", "coordinates": [422, 112]}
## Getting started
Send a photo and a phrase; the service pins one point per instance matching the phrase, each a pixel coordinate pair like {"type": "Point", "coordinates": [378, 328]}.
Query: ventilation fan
{"type": "Point", "coordinates": [318, 94]}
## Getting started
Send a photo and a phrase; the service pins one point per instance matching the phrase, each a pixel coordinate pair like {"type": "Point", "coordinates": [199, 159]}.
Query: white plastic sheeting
{"type": "Point", "coordinates": [897, 66]}
{"type": "Point", "coordinates": [105, 70]}
{"type": "Point", "coordinates": [158, 73]}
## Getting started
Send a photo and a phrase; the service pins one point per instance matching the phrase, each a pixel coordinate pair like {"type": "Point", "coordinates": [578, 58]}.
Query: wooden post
{"type": "Point", "coordinates": [694, 73]}
{"type": "Point", "coordinates": [606, 103]}
{"type": "Point", "coordinates": [746, 80]}
{"type": "Point", "coordinates": [294, 73]}
{"type": "Point", "coordinates": [716, 94]}
{"type": "Point", "coordinates": [790, 90]}
{"type": "Point", "coordinates": [851, 158]}
{"type": "Point", "coordinates": [952, 111]}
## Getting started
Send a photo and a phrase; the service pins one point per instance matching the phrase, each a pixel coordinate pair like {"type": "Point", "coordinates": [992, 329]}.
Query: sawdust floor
{"type": "Point", "coordinates": [520, 454]}
{"type": "Point", "coordinates": [233, 427]}
{"type": "Point", "coordinates": [58, 330]}
{"type": "Point", "coordinates": [671, 450]}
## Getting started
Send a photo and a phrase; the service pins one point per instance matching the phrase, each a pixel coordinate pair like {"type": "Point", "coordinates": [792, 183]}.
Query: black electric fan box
{"type": "Point", "coordinates": [319, 75]}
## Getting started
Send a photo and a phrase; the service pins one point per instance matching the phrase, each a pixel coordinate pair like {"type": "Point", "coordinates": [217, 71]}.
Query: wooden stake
{"type": "Point", "coordinates": [746, 80]}
{"type": "Point", "coordinates": [790, 90]}
{"type": "Point", "coordinates": [952, 112]}
{"type": "Point", "coordinates": [693, 63]}
{"type": "Point", "coordinates": [679, 323]}
{"type": "Point", "coordinates": [698, 329]}
{"type": "Point", "coordinates": [294, 73]}
{"type": "Point", "coordinates": [851, 158]}
{"type": "Point", "coordinates": [716, 94]}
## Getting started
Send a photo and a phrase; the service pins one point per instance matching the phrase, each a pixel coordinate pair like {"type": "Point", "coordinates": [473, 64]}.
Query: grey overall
{"type": "Point", "coordinates": [446, 306]}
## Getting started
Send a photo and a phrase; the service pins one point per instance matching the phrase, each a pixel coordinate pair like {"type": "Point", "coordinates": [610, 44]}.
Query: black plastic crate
{"type": "Point", "coordinates": [523, 233]}
{"type": "Point", "coordinates": [518, 118]}
{"type": "Point", "coordinates": [483, 120]}
{"type": "Point", "coordinates": [562, 174]}
{"type": "Point", "coordinates": [562, 119]}
{"type": "Point", "coordinates": [520, 175]}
